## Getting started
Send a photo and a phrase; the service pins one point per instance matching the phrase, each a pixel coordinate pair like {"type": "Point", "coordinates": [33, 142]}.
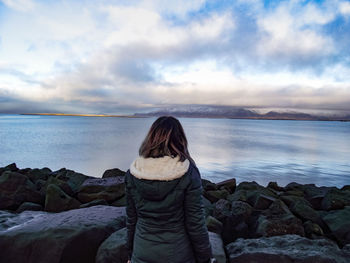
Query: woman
{"type": "Point", "coordinates": [165, 211]}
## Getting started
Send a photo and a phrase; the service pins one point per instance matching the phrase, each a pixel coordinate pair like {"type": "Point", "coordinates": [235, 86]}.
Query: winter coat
{"type": "Point", "coordinates": [165, 212]}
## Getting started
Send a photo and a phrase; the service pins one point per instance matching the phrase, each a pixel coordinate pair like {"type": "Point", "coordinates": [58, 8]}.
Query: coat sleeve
{"type": "Point", "coordinates": [131, 216]}
{"type": "Point", "coordinates": [195, 218]}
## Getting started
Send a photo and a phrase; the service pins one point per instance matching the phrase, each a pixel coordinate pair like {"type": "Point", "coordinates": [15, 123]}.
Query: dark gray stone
{"type": "Point", "coordinates": [57, 200]}
{"type": "Point", "coordinates": [70, 236]}
{"type": "Point", "coordinates": [285, 249]}
{"type": "Point", "coordinates": [113, 249]}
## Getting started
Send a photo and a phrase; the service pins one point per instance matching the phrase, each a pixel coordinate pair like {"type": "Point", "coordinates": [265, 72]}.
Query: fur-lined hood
{"type": "Point", "coordinates": [164, 168]}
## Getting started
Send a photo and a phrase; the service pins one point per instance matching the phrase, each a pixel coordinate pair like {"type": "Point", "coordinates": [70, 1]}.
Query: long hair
{"type": "Point", "coordinates": [166, 137]}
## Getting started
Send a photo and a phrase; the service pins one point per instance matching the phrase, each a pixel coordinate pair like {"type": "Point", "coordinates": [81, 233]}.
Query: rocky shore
{"type": "Point", "coordinates": [65, 216]}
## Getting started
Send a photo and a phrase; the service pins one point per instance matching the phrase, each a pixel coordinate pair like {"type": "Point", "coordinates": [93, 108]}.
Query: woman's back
{"type": "Point", "coordinates": [166, 220]}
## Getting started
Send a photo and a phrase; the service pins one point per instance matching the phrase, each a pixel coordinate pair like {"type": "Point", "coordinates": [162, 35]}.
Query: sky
{"type": "Point", "coordinates": [121, 57]}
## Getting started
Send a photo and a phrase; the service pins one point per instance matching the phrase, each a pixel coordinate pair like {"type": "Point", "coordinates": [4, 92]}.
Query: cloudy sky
{"type": "Point", "coordinates": [133, 56]}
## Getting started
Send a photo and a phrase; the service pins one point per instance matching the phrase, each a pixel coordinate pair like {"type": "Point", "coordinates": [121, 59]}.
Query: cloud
{"type": "Point", "coordinates": [123, 55]}
{"type": "Point", "coordinates": [19, 5]}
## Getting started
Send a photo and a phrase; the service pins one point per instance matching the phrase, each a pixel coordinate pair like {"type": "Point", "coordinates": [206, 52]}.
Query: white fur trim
{"type": "Point", "coordinates": [162, 168]}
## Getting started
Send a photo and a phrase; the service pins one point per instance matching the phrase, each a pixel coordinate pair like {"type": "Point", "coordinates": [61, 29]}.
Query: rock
{"type": "Point", "coordinates": [57, 200]}
{"type": "Point", "coordinates": [305, 212]}
{"type": "Point", "coordinates": [338, 221]}
{"type": "Point", "coordinates": [11, 167]}
{"type": "Point", "coordinates": [346, 188]}
{"type": "Point", "coordinates": [75, 180]}
{"type": "Point", "coordinates": [95, 202]}
{"type": "Point", "coordinates": [113, 249]}
{"type": "Point", "coordinates": [241, 209]}
{"type": "Point", "coordinates": [16, 188]}
{"type": "Point", "coordinates": [261, 198]}
{"type": "Point", "coordinates": [291, 200]}
{"type": "Point", "coordinates": [208, 186]}
{"type": "Point", "coordinates": [238, 195]}
{"type": "Point", "coordinates": [208, 206]}
{"type": "Point", "coordinates": [295, 192]}
{"type": "Point", "coordinates": [312, 230]}
{"type": "Point", "coordinates": [120, 202]}
{"type": "Point", "coordinates": [275, 186]}
{"type": "Point", "coordinates": [113, 173]}
{"type": "Point", "coordinates": [249, 186]}
{"type": "Point", "coordinates": [236, 225]}
{"type": "Point", "coordinates": [229, 185]}
{"type": "Point", "coordinates": [263, 202]}
{"type": "Point", "coordinates": [278, 207]}
{"type": "Point", "coordinates": [335, 199]}
{"type": "Point", "coordinates": [36, 174]}
{"type": "Point", "coordinates": [222, 209]}
{"type": "Point", "coordinates": [213, 224]}
{"type": "Point", "coordinates": [217, 247]}
{"type": "Point", "coordinates": [215, 195]}
{"type": "Point", "coordinates": [109, 189]}
{"type": "Point", "coordinates": [278, 225]}
{"type": "Point", "coordinates": [60, 183]}
{"type": "Point", "coordinates": [70, 236]}
{"type": "Point", "coordinates": [285, 249]}
{"type": "Point", "coordinates": [29, 206]}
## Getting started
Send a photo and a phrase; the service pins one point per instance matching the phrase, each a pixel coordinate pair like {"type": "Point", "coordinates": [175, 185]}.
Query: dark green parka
{"type": "Point", "coordinates": [165, 218]}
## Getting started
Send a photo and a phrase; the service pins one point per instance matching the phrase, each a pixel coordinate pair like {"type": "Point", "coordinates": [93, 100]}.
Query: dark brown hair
{"type": "Point", "coordinates": [166, 137]}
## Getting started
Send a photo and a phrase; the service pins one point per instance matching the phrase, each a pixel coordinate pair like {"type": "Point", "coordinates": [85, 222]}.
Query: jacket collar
{"type": "Point", "coordinates": [162, 168]}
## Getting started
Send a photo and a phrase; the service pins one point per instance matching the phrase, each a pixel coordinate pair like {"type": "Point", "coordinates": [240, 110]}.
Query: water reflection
{"type": "Point", "coordinates": [260, 150]}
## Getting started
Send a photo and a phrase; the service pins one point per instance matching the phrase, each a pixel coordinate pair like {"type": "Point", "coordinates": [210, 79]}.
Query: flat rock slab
{"type": "Point", "coordinates": [70, 236]}
{"type": "Point", "coordinates": [286, 249]}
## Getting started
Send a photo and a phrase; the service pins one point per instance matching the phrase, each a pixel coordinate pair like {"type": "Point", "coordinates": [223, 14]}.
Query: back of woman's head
{"type": "Point", "coordinates": [166, 137]}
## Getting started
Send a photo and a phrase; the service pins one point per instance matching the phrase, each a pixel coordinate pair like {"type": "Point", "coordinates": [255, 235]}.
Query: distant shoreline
{"type": "Point", "coordinates": [207, 117]}
{"type": "Point", "coordinates": [82, 115]}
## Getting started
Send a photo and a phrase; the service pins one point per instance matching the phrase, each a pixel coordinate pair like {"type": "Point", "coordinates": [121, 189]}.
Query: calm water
{"type": "Point", "coordinates": [259, 150]}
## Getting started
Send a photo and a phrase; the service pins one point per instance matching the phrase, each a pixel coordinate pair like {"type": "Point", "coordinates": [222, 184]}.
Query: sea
{"type": "Point", "coordinates": [282, 151]}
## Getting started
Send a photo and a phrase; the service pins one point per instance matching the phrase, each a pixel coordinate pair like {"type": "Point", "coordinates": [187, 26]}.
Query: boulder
{"type": "Point", "coordinates": [346, 188]}
{"type": "Point", "coordinates": [222, 209]}
{"type": "Point", "coordinates": [75, 180]}
{"type": "Point", "coordinates": [213, 224]}
{"type": "Point", "coordinates": [115, 172]}
{"type": "Point", "coordinates": [70, 236]}
{"type": "Point", "coordinates": [238, 195]}
{"type": "Point", "coordinates": [217, 247]}
{"type": "Point", "coordinates": [229, 185]}
{"type": "Point", "coordinates": [335, 199]}
{"type": "Point", "coordinates": [312, 230]}
{"type": "Point", "coordinates": [208, 206]}
{"type": "Point", "coordinates": [241, 209]}
{"type": "Point", "coordinates": [29, 206]}
{"type": "Point", "coordinates": [305, 212]}
{"type": "Point", "coordinates": [275, 225]}
{"type": "Point", "coordinates": [338, 221]}
{"type": "Point", "coordinates": [60, 183]}
{"type": "Point", "coordinates": [95, 202]}
{"type": "Point", "coordinates": [109, 189]}
{"type": "Point", "coordinates": [249, 186]}
{"type": "Point", "coordinates": [11, 167]}
{"type": "Point", "coordinates": [113, 249]}
{"type": "Point", "coordinates": [285, 249]}
{"type": "Point", "coordinates": [120, 202]}
{"type": "Point", "coordinates": [57, 200]}
{"type": "Point", "coordinates": [290, 200]}
{"type": "Point", "coordinates": [16, 188]}
{"type": "Point", "coordinates": [208, 186]}
{"type": "Point", "coordinates": [215, 195]}
{"type": "Point", "coordinates": [275, 186]}
{"type": "Point", "coordinates": [36, 174]}
{"type": "Point", "coordinates": [236, 224]}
